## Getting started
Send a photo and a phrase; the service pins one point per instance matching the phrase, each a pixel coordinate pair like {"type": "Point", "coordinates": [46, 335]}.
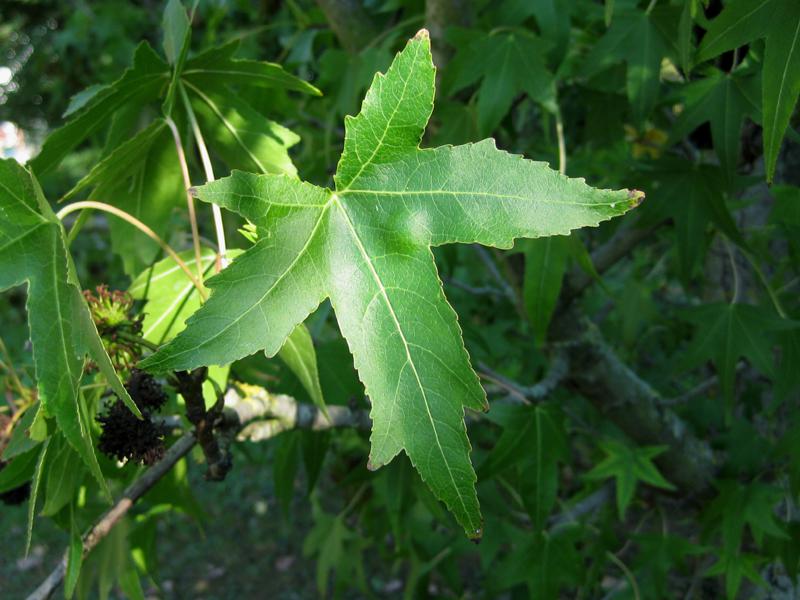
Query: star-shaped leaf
{"type": "Point", "coordinates": [723, 99]}
{"type": "Point", "coordinates": [507, 64]}
{"type": "Point", "coordinates": [628, 466]}
{"type": "Point", "coordinates": [692, 196]}
{"type": "Point", "coordinates": [366, 246]}
{"type": "Point", "coordinates": [728, 332]}
{"type": "Point", "coordinates": [142, 175]}
{"type": "Point", "coordinates": [32, 251]}
{"type": "Point", "coordinates": [778, 21]}
{"type": "Point", "coordinates": [141, 83]}
{"type": "Point", "coordinates": [635, 39]}
{"type": "Point", "coordinates": [150, 79]}
{"type": "Point", "coordinates": [534, 437]}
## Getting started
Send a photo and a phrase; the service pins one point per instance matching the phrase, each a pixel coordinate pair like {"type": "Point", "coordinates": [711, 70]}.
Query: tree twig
{"type": "Point", "coordinates": [590, 503]}
{"type": "Point", "coordinates": [107, 522]}
{"type": "Point", "coordinates": [242, 408]}
{"type": "Point", "coordinates": [350, 23]}
{"type": "Point", "coordinates": [603, 258]}
{"type": "Point", "coordinates": [556, 372]}
{"type": "Point", "coordinates": [599, 375]}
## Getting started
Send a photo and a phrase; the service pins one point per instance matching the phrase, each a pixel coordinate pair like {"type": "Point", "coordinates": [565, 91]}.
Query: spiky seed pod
{"type": "Point", "coordinates": [113, 313]}
{"type": "Point", "coordinates": [126, 437]}
{"type": "Point", "coordinates": [146, 391]}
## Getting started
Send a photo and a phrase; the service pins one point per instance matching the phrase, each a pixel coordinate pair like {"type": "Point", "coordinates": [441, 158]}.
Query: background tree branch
{"type": "Point", "coordinates": [350, 23]}
{"type": "Point", "coordinates": [633, 405]}
{"type": "Point", "coordinates": [254, 412]}
{"type": "Point", "coordinates": [439, 15]}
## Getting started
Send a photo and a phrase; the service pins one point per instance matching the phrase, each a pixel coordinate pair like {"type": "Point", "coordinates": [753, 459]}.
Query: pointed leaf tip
{"type": "Point", "coordinates": [636, 196]}
{"type": "Point", "coordinates": [422, 34]}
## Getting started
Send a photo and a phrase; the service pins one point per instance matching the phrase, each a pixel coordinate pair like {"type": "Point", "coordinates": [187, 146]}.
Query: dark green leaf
{"type": "Point", "coordinates": [63, 475]}
{"type": "Point", "coordinates": [126, 158]}
{"type": "Point", "coordinates": [728, 332]}
{"type": "Point", "coordinates": [241, 136]}
{"type": "Point", "coordinates": [629, 466]}
{"type": "Point", "coordinates": [176, 30]}
{"type": "Point", "coordinates": [507, 64]}
{"type": "Point", "coordinates": [149, 192]}
{"type": "Point", "coordinates": [741, 22]}
{"type": "Point", "coordinates": [74, 556]}
{"type": "Point", "coordinates": [18, 471]}
{"type": "Point", "coordinates": [216, 68]}
{"type": "Point", "coordinates": [723, 100]}
{"type": "Point", "coordinates": [634, 39]}
{"type": "Point", "coordinates": [781, 79]}
{"type": "Point", "coordinates": [545, 264]}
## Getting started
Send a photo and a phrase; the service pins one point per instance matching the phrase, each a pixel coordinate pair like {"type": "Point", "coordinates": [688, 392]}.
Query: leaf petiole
{"type": "Point", "coordinates": [102, 206]}
{"type": "Point", "coordinates": [209, 170]}
{"type": "Point", "coordinates": [187, 183]}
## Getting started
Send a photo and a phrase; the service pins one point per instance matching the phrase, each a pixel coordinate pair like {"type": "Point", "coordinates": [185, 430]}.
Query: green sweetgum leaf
{"type": "Point", "coordinates": [728, 332]}
{"type": "Point", "coordinates": [629, 466]}
{"type": "Point", "coordinates": [507, 64]}
{"type": "Point", "coordinates": [781, 79]}
{"type": "Point", "coordinates": [548, 563]}
{"type": "Point", "coordinates": [534, 440]}
{"type": "Point", "coordinates": [176, 29]}
{"type": "Point", "coordinates": [366, 246]}
{"type": "Point", "coordinates": [634, 38]}
{"type": "Point", "coordinates": [743, 21]}
{"type": "Point", "coordinates": [216, 68]}
{"type": "Point", "coordinates": [244, 138]}
{"type": "Point", "coordinates": [32, 251]}
{"type": "Point", "coordinates": [545, 265]}
{"type": "Point", "coordinates": [723, 100]}
{"type": "Point", "coordinates": [150, 78]}
{"type": "Point", "coordinates": [693, 197]}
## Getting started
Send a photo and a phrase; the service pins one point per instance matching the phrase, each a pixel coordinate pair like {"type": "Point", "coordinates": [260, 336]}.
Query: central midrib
{"type": "Point", "coordinates": [476, 193]}
{"type": "Point", "coordinates": [367, 259]}
{"type": "Point", "coordinates": [383, 135]}
{"type": "Point", "coordinates": [280, 278]}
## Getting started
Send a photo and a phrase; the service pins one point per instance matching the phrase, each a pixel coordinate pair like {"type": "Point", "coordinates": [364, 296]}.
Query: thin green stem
{"type": "Point", "coordinates": [627, 572]}
{"type": "Point", "coordinates": [562, 146]}
{"type": "Point", "coordinates": [354, 500]}
{"type": "Point", "coordinates": [136, 339]}
{"type": "Point", "coordinates": [189, 200]}
{"type": "Point", "coordinates": [772, 295]}
{"type": "Point", "coordinates": [141, 227]}
{"type": "Point", "coordinates": [737, 287]}
{"type": "Point", "coordinates": [77, 226]}
{"type": "Point", "coordinates": [219, 228]}
{"type": "Point", "coordinates": [9, 366]}
{"type": "Point", "coordinates": [650, 7]}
